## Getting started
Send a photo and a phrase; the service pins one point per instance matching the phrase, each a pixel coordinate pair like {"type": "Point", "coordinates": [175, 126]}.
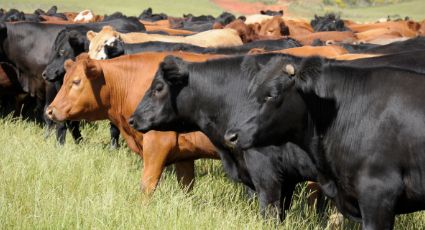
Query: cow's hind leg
{"type": "Point", "coordinates": [185, 171]}
{"type": "Point", "coordinates": [377, 200]}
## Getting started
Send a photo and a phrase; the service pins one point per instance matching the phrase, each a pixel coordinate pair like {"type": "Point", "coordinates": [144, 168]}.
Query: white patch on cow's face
{"type": "Point", "coordinates": [99, 51]}
{"type": "Point", "coordinates": [84, 16]}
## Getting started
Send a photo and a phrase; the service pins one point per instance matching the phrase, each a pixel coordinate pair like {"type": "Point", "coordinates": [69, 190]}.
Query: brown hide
{"type": "Point", "coordinates": [111, 89]}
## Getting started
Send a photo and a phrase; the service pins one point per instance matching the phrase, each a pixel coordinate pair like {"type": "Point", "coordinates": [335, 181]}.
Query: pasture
{"type": "Point", "coordinates": [90, 186]}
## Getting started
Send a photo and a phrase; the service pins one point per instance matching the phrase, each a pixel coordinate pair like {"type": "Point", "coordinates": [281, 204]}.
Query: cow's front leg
{"type": "Point", "coordinates": [185, 172]}
{"type": "Point", "coordinates": [267, 183]}
{"type": "Point", "coordinates": [157, 147]}
{"type": "Point", "coordinates": [377, 200]}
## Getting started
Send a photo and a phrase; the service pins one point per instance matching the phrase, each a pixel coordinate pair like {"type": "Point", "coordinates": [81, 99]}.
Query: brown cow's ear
{"type": "Point", "coordinates": [68, 63]}
{"type": "Point", "coordinates": [91, 34]}
{"type": "Point", "coordinates": [93, 69]}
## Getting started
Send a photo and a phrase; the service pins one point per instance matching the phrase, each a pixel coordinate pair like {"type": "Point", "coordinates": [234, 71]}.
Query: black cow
{"type": "Point", "coordinates": [368, 145]}
{"type": "Point", "coordinates": [118, 47]}
{"type": "Point", "coordinates": [186, 97]}
{"type": "Point", "coordinates": [17, 42]}
{"type": "Point", "coordinates": [371, 141]}
{"type": "Point", "coordinates": [147, 15]}
{"type": "Point", "coordinates": [271, 12]}
{"type": "Point", "coordinates": [329, 22]}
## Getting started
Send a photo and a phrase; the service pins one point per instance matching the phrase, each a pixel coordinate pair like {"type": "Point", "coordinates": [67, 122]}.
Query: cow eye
{"type": "Point", "coordinates": [76, 82]}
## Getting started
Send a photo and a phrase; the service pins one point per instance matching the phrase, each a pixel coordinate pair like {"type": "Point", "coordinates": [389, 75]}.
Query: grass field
{"type": "Point", "coordinates": [88, 186]}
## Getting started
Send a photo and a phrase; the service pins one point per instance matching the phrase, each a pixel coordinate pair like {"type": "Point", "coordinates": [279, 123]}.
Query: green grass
{"type": "Point", "coordinates": [413, 8]}
{"type": "Point", "coordinates": [88, 186]}
{"type": "Point", "coordinates": [128, 7]}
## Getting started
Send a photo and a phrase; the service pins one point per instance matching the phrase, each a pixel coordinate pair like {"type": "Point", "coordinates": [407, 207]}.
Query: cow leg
{"type": "Point", "coordinates": [185, 171]}
{"type": "Point", "coordinates": [74, 128]}
{"type": "Point", "coordinates": [266, 182]}
{"type": "Point", "coordinates": [61, 133]}
{"type": "Point", "coordinates": [377, 199]}
{"type": "Point", "coordinates": [286, 197]}
{"type": "Point", "coordinates": [157, 147]}
{"type": "Point", "coordinates": [115, 136]}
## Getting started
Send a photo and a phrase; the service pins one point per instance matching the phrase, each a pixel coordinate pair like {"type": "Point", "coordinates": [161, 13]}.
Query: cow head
{"type": "Point", "coordinates": [278, 85]}
{"type": "Point", "coordinates": [106, 37]}
{"type": "Point", "coordinates": [158, 105]}
{"type": "Point", "coordinates": [68, 44]}
{"type": "Point", "coordinates": [274, 27]}
{"type": "Point", "coordinates": [80, 96]}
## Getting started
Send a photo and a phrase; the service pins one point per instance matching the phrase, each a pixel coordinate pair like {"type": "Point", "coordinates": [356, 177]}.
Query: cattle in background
{"type": "Point", "coordinates": [111, 89]}
{"type": "Point", "coordinates": [196, 90]}
{"type": "Point", "coordinates": [30, 60]}
{"type": "Point", "coordinates": [274, 27]}
{"type": "Point", "coordinates": [147, 15]}
{"type": "Point", "coordinates": [119, 48]}
{"type": "Point", "coordinates": [211, 38]}
{"type": "Point", "coordinates": [329, 22]}
{"type": "Point", "coordinates": [271, 12]}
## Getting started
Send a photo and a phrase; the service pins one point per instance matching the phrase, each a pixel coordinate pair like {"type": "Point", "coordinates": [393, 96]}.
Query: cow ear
{"type": "Point", "coordinates": [3, 31]}
{"type": "Point", "coordinates": [77, 40]}
{"type": "Point", "coordinates": [175, 70]}
{"type": "Point", "coordinates": [250, 66]}
{"type": "Point", "coordinates": [93, 69]}
{"type": "Point", "coordinates": [91, 34]}
{"type": "Point", "coordinates": [68, 63]}
{"type": "Point", "coordinates": [310, 68]}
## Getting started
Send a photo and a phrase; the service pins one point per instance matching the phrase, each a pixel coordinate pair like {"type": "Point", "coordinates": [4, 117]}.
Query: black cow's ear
{"type": "Point", "coordinates": [77, 40]}
{"type": "Point", "coordinates": [250, 66]}
{"type": "Point", "coordinates": [175, 70]}
{"type": "Point", "coordinates": [310, 68]}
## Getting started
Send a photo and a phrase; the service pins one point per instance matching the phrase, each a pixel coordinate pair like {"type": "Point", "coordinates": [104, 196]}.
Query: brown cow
{"type": "Point", "coordinates": [337, 36]}
{"type": "Point", "coordinates": [111, 89]}
{"type": "Point", "coordinates": [404, 28]}
{"type": "Point", "coordinates": [274, 27]}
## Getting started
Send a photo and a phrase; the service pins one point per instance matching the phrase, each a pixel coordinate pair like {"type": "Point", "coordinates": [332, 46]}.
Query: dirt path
{"type": "Point", "coordinates": [245, 8]}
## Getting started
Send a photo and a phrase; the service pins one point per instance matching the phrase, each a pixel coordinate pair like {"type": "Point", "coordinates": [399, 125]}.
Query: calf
{"type": "Point", "coordinates": [110, 89]}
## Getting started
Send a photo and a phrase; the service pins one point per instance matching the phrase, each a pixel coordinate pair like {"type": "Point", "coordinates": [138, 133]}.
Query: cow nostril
{"type": "Point", "coordinates": [131, 121]}
{"type": "Point", "coordinates": [231, 138]}
{"type": "Point", "coordinates": [44, 74]}
{"type": "Point", "coordinates": [49, 112]}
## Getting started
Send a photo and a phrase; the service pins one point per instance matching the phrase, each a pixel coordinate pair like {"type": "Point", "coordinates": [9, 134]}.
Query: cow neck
{"type": "Point", "coordinates": [120, 83]}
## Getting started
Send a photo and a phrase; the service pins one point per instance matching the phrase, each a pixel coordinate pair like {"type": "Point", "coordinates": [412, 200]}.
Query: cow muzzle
{"type": "Point", "coordinates": [231, 139]}
{"type": "Point", "coordinates": [50, 113]}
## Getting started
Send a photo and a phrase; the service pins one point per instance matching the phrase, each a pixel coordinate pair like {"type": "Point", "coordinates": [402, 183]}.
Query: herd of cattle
{"type": "Point", "coordinates": [277, 99]}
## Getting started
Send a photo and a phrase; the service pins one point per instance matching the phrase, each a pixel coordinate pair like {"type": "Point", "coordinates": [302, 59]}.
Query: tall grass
{"type": "Point", "coordinates": [89, 186]}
